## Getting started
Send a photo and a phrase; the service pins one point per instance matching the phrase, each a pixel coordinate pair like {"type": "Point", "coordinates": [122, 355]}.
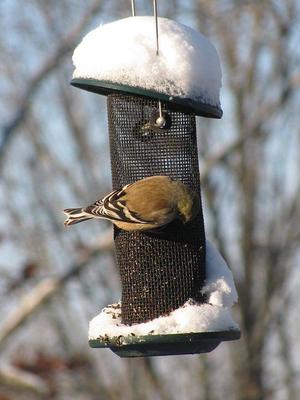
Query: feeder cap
{"type": "Point", "coordinates": [121, 57]}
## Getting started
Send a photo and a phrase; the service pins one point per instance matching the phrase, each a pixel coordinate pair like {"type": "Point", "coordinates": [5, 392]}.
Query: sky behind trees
{"type": "Point", "coordinates": [54, 153]}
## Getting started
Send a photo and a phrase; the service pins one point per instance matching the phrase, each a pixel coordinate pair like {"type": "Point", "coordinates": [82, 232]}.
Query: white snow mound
{"type": "Point", "coordinates": [124, 52]}
{"type": "Point", "coordinates": [219, 284]}
{"type": "Point", "coordinates": [191, 317]}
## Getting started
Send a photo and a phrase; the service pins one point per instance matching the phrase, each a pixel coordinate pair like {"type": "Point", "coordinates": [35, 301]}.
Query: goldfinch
{"type": "Point", "coordinates": [147, 204]}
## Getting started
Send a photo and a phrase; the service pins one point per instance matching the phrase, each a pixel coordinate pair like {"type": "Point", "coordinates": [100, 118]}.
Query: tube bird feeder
{"type": "Point", "coordinates": [152, 100]}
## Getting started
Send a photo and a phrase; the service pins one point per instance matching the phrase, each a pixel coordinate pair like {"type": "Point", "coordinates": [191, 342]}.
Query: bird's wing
{"type": "Point", "coordinates": [113, 207]}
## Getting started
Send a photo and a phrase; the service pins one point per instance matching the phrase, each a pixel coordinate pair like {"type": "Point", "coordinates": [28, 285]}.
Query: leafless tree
{"type": "Point", "coordinates": [54, 152]}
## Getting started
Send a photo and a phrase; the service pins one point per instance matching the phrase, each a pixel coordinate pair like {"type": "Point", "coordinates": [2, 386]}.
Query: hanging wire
{"type": "Point", "coordinates": [161, 120]}
{"type": "Point", "coordinates": [156, 25]}
{"type": "Point", "coordinates": [133, 7]}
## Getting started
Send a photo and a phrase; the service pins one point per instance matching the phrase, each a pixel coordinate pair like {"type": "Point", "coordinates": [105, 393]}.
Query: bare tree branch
{"type": "Point", "coordinates": [16, 378]}
{"type": "Point", "coordinates": [65, 45]}
{"type": "Point", "coordinates": [44, 290]}
{"type": "Point", "coordinates": [251, 131]}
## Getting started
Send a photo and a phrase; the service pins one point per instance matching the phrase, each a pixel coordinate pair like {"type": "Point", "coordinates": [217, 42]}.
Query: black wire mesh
{"type": "Point", "coordinates": [159, 271]}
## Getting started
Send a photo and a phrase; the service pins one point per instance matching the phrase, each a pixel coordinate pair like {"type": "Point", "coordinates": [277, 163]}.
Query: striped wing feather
{"type": "Point", "coordinates": [113, 207]}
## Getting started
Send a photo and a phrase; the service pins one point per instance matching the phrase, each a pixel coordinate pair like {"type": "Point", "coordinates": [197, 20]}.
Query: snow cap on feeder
{"type": "Point", "coordinates": [121, 57]}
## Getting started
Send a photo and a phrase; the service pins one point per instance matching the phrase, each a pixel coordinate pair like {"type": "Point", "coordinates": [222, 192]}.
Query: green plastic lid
{"type": "Point", "coordinates": [189, 105]}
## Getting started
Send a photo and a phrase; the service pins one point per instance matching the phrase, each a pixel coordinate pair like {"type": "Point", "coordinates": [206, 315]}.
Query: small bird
{"type": "Point", "coordinates": [146, 204]}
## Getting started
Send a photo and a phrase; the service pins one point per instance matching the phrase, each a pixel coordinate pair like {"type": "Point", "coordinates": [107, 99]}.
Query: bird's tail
{"type": "Point", "coordinates": [75, 215]}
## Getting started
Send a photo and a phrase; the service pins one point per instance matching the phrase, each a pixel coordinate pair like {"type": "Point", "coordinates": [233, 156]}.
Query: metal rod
{"type": "Point", "coordinates": [133, 7]}
{"type": "Point", "coordinates": [157, 48]}
{"type": "Point", "coordinates": [160, 109]}
{"type": "Point", "coordinates": [156, 25]}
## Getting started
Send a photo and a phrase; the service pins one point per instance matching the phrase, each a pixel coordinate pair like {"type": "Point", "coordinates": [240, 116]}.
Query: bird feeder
{"type": "Point", "coordinates": [154, 90]}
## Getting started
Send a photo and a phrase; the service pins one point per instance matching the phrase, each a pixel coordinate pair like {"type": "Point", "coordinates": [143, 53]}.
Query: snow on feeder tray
{"type": "Point", "coordinates": [176, 288]}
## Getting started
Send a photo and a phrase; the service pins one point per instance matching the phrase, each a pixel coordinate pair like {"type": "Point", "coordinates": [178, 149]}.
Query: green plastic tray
{"type": "Point", "coordinates": [163, 345]}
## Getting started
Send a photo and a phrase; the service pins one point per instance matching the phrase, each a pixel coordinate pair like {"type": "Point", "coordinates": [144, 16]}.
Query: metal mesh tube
{"type": "Point", "coordinates": [159, 271]}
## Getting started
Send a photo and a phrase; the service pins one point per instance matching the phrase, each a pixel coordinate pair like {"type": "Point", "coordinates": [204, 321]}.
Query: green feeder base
{"type": "Point", "coordinates": [199, 107]}
{"type": "Point", "coordinates": [165, 345]}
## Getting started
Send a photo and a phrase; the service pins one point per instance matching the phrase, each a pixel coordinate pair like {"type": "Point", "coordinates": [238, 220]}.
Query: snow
{"type": "Point", "coordinates": [219, 284]}
{"type": "Point", "coordinates": [124, 52]}
{"type": "Point", "coordinates": [191, 317]}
